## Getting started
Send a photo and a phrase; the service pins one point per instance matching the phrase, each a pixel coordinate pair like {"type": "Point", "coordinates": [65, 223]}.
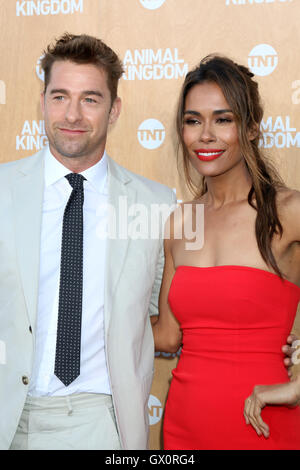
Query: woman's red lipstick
{"type": "Point", "coordinates": [207, 155]}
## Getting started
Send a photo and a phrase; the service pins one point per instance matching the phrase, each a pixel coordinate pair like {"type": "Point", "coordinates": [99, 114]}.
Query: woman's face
{"type": "Point", "coordinates": [210, 132]}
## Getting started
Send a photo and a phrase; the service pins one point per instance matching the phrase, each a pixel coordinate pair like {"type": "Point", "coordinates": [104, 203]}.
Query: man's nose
{"type": "Point", "coordinates": [73, 111]}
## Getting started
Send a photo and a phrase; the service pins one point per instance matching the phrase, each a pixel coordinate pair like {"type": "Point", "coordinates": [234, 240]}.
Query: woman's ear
{"type": "Point", "coordinates": [253, 131]}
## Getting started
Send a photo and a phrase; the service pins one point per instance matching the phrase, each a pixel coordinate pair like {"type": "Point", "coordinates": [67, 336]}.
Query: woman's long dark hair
{"type": "Point", "coordinates": [241, 93]}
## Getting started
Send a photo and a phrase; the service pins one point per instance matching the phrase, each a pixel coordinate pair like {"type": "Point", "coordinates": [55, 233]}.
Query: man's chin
{"type": "Point", "coordinates": [72, 155]}
{"type": "Point", "coordinates": [68, 152]}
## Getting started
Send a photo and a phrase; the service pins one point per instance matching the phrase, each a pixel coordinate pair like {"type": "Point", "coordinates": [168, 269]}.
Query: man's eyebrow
{"type": "Point", "coordinates": [93, 92]}
{"type": "Point", "coordinates": [217, 111]}
{"type": "Point", "coordinates": [58, 90]}
{"type": "Point", "coordinates": [85, 92]}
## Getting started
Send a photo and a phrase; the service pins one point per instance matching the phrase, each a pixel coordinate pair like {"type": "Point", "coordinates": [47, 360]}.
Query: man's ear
{"type": "Point", "coordinates": [115, 110]}
{"type": "Point", "coordinates": [42, 102]}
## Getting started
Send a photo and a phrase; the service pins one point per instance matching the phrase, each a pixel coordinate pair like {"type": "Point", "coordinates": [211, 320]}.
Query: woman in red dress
{"type": "Point", "coordinates": [230, 287]}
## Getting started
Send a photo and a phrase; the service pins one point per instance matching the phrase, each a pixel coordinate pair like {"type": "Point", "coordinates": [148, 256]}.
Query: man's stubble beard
{"type": "Point", "coordinates": [69, 149]}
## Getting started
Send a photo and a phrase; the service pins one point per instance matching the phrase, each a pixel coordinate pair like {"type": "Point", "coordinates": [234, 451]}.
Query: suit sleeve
{"type": "Point", "coordinates": [153, 309]}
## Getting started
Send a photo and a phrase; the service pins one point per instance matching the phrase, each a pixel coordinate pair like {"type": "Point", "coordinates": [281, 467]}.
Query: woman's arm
{"type": "Point", "coordinates": [281, 394]}
{"type": "Point", "coordinates": [166, 329]}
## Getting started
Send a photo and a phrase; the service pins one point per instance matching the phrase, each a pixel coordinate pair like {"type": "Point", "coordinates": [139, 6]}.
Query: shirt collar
{"type": "Point", "coordinates": [96, 175]}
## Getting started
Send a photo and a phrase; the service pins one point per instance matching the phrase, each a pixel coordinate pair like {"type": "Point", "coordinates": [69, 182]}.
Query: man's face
{"type": "Point", "coordinates": [77, 110]}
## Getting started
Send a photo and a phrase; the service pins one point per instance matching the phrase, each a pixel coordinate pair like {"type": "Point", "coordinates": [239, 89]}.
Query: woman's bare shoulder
{"type": "Point", "coordinates": [288, 202]}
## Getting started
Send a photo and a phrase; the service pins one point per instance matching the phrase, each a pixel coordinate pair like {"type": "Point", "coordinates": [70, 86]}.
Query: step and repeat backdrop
{"type": "Point", "coordinates": [158, 41]}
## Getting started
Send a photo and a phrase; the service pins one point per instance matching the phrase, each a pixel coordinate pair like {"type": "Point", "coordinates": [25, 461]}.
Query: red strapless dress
{"type": "Point", "coordinates": [235, 320]}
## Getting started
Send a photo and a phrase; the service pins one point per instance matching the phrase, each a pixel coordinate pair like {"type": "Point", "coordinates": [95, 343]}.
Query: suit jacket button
{"type": "Point", "coordinates": [25, 380]}
{"type": "Point", "coordinates": [30, 329]}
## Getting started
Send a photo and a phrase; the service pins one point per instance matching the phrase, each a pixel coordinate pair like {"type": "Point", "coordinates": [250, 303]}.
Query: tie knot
{"type": "Point", "coordinates": [75, 180]}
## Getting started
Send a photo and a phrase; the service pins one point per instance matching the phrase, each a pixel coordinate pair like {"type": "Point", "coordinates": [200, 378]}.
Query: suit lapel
{"type": "Point", "coordinates": [27, 193]}
{"type": "Point", "coordinates": [121, 196]}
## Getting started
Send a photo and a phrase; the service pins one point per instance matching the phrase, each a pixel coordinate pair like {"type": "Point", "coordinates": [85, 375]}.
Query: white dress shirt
{"type": "Point", "coordinates": [93, 376]}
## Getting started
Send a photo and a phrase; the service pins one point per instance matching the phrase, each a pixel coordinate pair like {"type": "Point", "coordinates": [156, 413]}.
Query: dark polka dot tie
{"type": "Point", "coordinates": [67, 357]}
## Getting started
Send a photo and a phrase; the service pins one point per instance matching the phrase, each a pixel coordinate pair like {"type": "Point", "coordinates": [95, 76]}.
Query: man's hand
{"type": "Point", "coordinates": [288, 350]}
{"type": "Point", "coordinates": [281, 394]}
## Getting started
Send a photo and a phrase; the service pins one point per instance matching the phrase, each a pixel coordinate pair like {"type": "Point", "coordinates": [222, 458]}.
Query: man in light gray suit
{"type": "Point", "coordinates": [58, 392]}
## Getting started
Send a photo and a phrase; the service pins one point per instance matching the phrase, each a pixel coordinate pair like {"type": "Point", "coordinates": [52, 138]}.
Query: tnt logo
{"type": "Point", "coordinates": [151, 134]}
{"type": "Point", "coordinates": [2, 92]}
{"type": "Point", "coordinates": [39, 70]}
{"type": "Point", "coordinates": [262, 60]}
{"type": "Point", "coordinates": [152, 4]}
{"type": "Point", "coordinates": [155, 410]}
